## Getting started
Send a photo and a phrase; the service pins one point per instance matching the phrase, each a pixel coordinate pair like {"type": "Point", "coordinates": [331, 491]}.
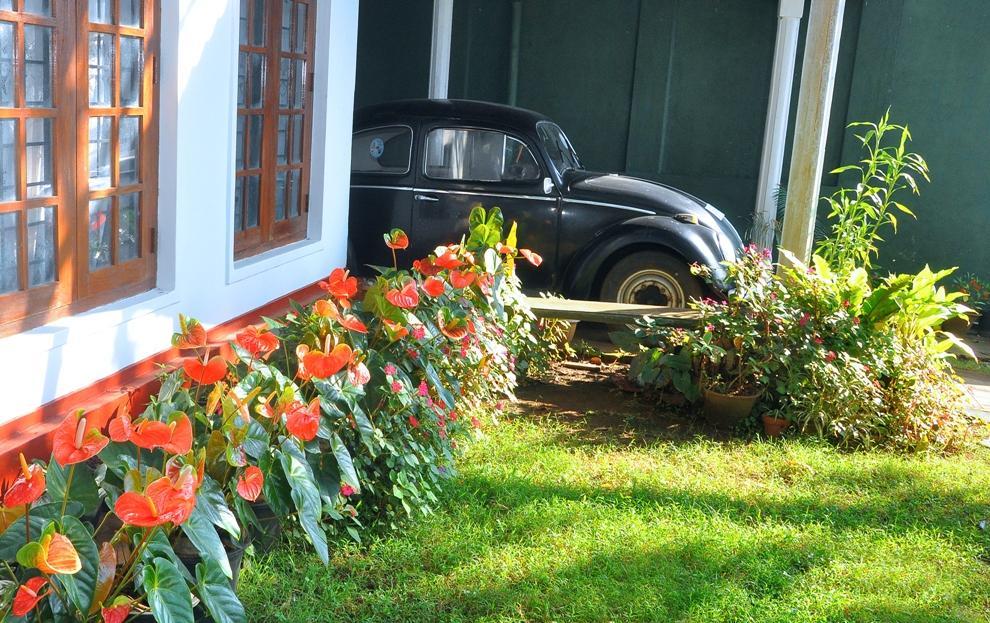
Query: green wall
{"type": "Point", "coordinates": [676, 90]}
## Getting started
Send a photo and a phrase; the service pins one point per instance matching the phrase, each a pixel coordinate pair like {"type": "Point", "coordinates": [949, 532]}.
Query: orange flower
{"type": "Point", "coordinates": [406, 298]}
{"type": "Point", "coordinates": [175, 436]}
{"type": "Point", "coordinates": [353, 323]}
{"type": "Point", "coordinates": [461, 279]}
{"type": "Point", "coordinates": [446, 258]}
{"type": "Point", "coordinates": [534, 258]}
{"type": "Point", "coordinates": [426, 267]}
{"type": "Point", "coordinates": [258, 342]}
{"type": "Point", "coordinates": [326, 308]}
{"type": "Point", "coordinates": [205, 373]}
{"type": "Point", "coordinates": [74, 441]}
{"type": "Point", "coordinates": [28, 595]}
{"type": "Point", "coordinates": [163, 501]}
{"type": "Point", "coordinates": [250, 483]}
{"type": "Point", "coordinates": [28, 487]}
{"type": "Point", "coordinates": [455, 328]}
{"type": "Point", "coordinates": [433, 286]}
{"type": "Point", "coordinates": [395, 330]}
{"type": "Point", "coordinates": [321, 365]}
{"type": "Point", "coordinates": [397, 240]}
{"type": "Point", "coordinates": [56, 555]}
{"type": "Point", "coordinates": [303, 421]}
{"type": "Point", "coordinates": [191, 334]}
{"type": "Point", "coordinates": [340, 286]}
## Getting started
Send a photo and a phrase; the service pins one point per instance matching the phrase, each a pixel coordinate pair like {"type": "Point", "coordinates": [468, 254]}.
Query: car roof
{"type": "Point", "coordinates": [470, 111]}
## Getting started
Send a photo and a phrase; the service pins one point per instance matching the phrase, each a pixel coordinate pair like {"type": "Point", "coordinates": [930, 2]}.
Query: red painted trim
{"type": "Point", "coordinates": [129, 389]}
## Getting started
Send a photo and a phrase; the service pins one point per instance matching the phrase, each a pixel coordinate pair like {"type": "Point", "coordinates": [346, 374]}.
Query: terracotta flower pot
{"type": "Point", "coordinates": [727, 410]}
{"type": "Point", "coordinates": [774, 426]}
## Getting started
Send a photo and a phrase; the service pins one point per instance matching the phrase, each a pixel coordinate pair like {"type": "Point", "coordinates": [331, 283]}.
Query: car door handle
{"type": "Point", "coordinates": [424, 198]}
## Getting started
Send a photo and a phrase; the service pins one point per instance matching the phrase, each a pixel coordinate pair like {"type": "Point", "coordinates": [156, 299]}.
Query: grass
{"type": "Point", "coordinates": [550, 523]}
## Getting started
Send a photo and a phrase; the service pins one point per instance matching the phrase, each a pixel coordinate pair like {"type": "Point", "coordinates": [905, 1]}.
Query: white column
{"type": "Point", "coordinates": [778, 111]}
{"type": "Point", "coordinates": [811, 126]}
{"type": "Point", "coordinates": [443, 25]}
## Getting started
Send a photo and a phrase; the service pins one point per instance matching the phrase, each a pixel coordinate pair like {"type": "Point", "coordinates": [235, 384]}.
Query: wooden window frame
{"type": "Point", "coordinates": [271, 232]}
{"type": "Point", "coordinates": [76, 288]}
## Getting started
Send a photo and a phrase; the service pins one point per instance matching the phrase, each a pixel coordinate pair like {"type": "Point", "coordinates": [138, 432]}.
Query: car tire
{"type": "Point", "coordinates": [650, 278]}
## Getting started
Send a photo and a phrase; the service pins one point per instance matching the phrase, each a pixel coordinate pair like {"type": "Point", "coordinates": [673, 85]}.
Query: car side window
{"type": "Point", "coordinates": [382, 150]}
{"type": "Point", "coordinates": [471, 155]}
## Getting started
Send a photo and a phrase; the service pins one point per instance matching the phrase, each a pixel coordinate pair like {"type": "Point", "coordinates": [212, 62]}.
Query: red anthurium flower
{"type": "Point", "coordinates": [28, 487]}
{"type": "Point", "coordinates": [340, 286]}
{"type": "Point", "coordinates": [461, 278]}
{"type": "Point", "coordinates": [353, 323]}
{"type": "Point", "coordinates": [397, 240]}
{"type": "Point", "coordinates": [180, 434]}
{"type": "Point", "coordinates": [303, 421]}
{"type": "Point", "coordinates": [395, 330]}
{"type": "Point", "coordinates": [250, 483]}
{"type": "Point", "coordinates": [534, 258]}
{"type": "Point", "coordinates": [446, 258]}
{"type": "Point", "coordinates": [455, 328]}
{"type": "Point", "coordinates": [57, 555]}
{"type": "Point", "coordinates": [28, 595]}
{"type": "Point", "coordinates": [191, 334]}
{"type": "Point", "coordinates": [163, 501]}
{"type": "Point", "coordinates": [258, 342]}
{"type": "Point", "coordinates": [205, 373]}
{"type": "Point", "coordinates": [116, 614]}
{"type": "Point", "coordinates": [406, 298]}
{"type": "Point", "coordinates": [121, 428]}
{"type": "Point", "coordinates": [505, 249]}
{"type": "Point", "coordinates": [175, 436]}
{"type": "Point", "coordinates": [75, 441]}
{"type": "Point", "coordinates": [426, 267]}
{"type": "Point", "coordinates": [326, 308]}
{"type": "Point", "coordinates": [322, 365]}
{"type": "Point", "coordinates": [433, 286]}
{"type": "Point", "coordinates": [346, 490]}
{"type": "Point", "coordinates": [358, 374]}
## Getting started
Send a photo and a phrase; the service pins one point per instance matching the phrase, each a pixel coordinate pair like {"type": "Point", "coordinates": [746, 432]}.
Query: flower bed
{"type": "Point", "coordinates": [342, 413]}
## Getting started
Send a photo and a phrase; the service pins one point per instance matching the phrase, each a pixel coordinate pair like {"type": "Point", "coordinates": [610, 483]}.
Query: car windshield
{"type": "Point", "coordinates": [557, 146]}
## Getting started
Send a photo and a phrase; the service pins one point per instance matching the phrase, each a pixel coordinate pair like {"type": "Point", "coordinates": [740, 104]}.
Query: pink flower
{"type": "Point", "coordinates": [346, 490]}
{"type": "Point", "coordinates": [475, 422]}
{"type": "Point", "coordinates": [830, 356]}
{"type": "Point", "coordinates": [709, 328]}
{"type": "Point", "coordinates": [845, 304]}
{"type": "Point", "coordinates": [453, 416]}
{"type": "Point", "coordinates": [396, 387]}
{"type": "Point", "coordinates": [500, 405]}
{"type": "Point", "coordinates": [805, 317]}
{"type": "Point", "coordinates": [856, 320]}
{"type": "Point", "coordinates": [819, 340]}
{"type": "Point", "coordinates": [412, 352]}
{"type": "Point", "coordinates": [413, 421]}
{"type": "Point", "coordinates": [419, 332]}
{"type": "Point", "coordinates": [389, 369]}
{"type": "Point", "coordinates": [423, 389]}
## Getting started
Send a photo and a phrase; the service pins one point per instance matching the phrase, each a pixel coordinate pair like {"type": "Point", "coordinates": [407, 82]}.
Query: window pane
{"type": "Point", "coordinates": [128, 241]}
{"type": "Point", "coordinates": [382, 150]}
{"type": "Point", "coordinates": [238, 204]}
{"type": "Point", "coordinates": [131, 13]}
{"type": "Point", "coordinates": [287, 25]}
{"type": "Point", "coordinates": [6, 64]}
{"type": "Point", "coordinates": [253, 200]}
{"type": "Point", "coordinates": [9, 276]}
{"type": "Point", "coordinates": [257, 96]}
{"type": "Point", "coordinates": [100, 69]}
{"type": "Point", "coordinates": [280, 195]}
{"type": "Point", "coordinates": [99, 233]}
{"type": "Point", "coordinates": [130, 150]}
{"type": "Point", "coordinates": [8, 159]}
{"type": "Point", "coordinates": [99, 152]}
{"type": "Point", "coordinates": [255, 131]}
{"type": "Point", "coordinates": [6, 5]}
{"type": "Point", "coordinates": [478, 155]}
{"type": "Point", "coordinates": [41, 245]}
{"type": "Point", "coordinates": [239, 149]}
{"type": "Point", "coordinates": [38, 7]}
{"type": "Point", "coordinates": [297, 138]}
{"type": "Point", "coordinates": [131, 70]}
{"type": "Point", "coordinates": [301, 27]}
{"type": "Point", "coordinates": [38, 158]}
{"type": "Point", "coordinates": [242, 38]}
{"type": "Point", "coordinates": [38, 66]}
{"type": "Point", "coordinates": [294, 176]}
{"type": "Point", "coordinates": [283, 139]}
{"type": "Point", "coordinates": [299, 84]}
{"type": "Point", "coordinates": [242, 77]}
{"type": "Point", "coordinates": [285, 83]}
{"type": "Point", "coordinates": [258, 25]}
{"type": "Point", "coordinates": [101, 11]}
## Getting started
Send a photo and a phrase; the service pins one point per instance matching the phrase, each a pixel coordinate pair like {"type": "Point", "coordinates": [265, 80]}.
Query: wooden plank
{"type": "Point", "coordinates": [610, 313]}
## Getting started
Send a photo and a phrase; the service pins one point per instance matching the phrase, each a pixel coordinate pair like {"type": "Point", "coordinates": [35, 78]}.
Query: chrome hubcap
{"type": "Point", "coordinates": [651, 287]}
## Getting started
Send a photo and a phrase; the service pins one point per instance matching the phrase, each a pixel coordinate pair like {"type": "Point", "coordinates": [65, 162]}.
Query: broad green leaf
{"type": "Point", "coordinates": [276, 488]}
{"type": "Point", "coordinates": [215, 592]}
{"type": "Point", "coordinates": [13, 537]}
{"type": "Point", "coordinates": [168, 594]}
{"type": "Point", "coordinates": [210, 498]}
{"type": "Point", "coordinates": [326, 473]}
{"type": "Point", "coordinates": [201, 531]}
{"type": "Point", "coordinates": [104, 575]}
{"type": "Point", "coordinates": [81, 586]}
{"type": "Point", "coordinates": [83, 488]}
{"type": "Point", "coordinates": [345, 463]}
{"type": "Point", "coordinates": [305, 496]}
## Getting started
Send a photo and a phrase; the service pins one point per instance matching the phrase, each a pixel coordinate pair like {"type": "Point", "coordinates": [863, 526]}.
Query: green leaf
{"type": "Point", "coordinates": [13, 537]}
{"type": "Point", "coordinates": [210, 498]}
{"type": "Point", "coordinates": [305, 496]}
{"type": "Point", "coordinates": [28, 554]}
{"type": "Point", "coordinates": [327, 475]}
{"type": "Point", "coordinates": [200, 530]}
{"type": "Point", "coordinates": [276, 488]}
{"type": "Point", "coordinates": [81, 586]}
{"type": "Point", "coordinates": [344, 462]}
{"type": "Point", "coordinates": [168, 594]}
{"type": "Point", "coordinates": [83, 488]}
{"type": "Point", "coordinates": [215, 592]}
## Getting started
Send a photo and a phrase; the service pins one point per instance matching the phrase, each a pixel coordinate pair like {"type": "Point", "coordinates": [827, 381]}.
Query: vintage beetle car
{"type": "Point", "coordinates": [421, 165]}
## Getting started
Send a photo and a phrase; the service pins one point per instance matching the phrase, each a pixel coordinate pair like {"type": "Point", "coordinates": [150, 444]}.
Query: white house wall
{"type": "Point", "coordinates": [196, 274]}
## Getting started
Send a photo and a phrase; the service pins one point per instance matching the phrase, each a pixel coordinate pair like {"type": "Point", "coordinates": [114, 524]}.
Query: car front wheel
{"type": "Point", "coordinates": [650, 278]}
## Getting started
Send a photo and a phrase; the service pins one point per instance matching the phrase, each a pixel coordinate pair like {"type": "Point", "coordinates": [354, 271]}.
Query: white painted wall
{"type": "Point", "coordinates": [196, 274]}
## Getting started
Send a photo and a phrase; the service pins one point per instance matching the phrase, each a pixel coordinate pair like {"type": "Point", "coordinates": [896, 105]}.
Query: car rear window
{"type": "Point", "coordinates": [382, 150]}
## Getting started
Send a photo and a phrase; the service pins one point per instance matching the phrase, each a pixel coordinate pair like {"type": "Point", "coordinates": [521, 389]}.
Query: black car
{"type": "Point", "coordinates": [421, 165]}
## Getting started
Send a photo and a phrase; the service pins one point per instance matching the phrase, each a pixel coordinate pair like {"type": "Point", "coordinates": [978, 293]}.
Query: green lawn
{"type": "Point", "coordinates": [551, 521]}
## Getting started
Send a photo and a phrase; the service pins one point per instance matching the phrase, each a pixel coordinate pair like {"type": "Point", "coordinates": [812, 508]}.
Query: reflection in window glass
{"type": "Point", "coordinates": [128, 232]}
{"type": "Point", "coordinates": [6, 5]}
{"type": "Point", "coordinates": [100, 69]}
{"type": "Point", "coordinates": [131, 70]}
{"type": "Point", "coordinates": [280, 195]}
{"type": "Point", "coordinates": [99, 152]}
{"type": "Point", "coordinates": [242, 79]}
{"type": "Point", "coordinates": [286, 25]}
{"type": "Point", "coordinates": [255, 130]}
{"type": "Point", "coordinates": [243, 31]}
{"type": "Point", "coordinates": [9, 250]}
{"type": "Point", "coordinates": [101, 11]}
{"type": "Point", "coordinates": [283, 139]}
{"type": "Point", "coordinates": [8, 159]}
{"type": "Point", "coordinates": [294, 178]}
{"type": "Point", "coordinates": [258, 29]}
{"type": "Point", "coordinates": [37, 66]}
{"type": "Point", "coordinates": [131, 13]}
{"type": "Point", "coordinates": [7, 64]}
{"type": "Point", "coordinates": [99, 233]}
{"type": "Point", "coordinates": [301, 27]}
{"type": "Point", "coordinates": [257, 96]}
{"type": "Point", "coordinates": [238, 203]}
{"type": "Point", "coordinates": [285, 83]}
{"type": "Point", "coordinates": [253, 200]}
{"type": "Point", "coordinates": [478, 156]}
{"type": "Point", "coordinates": [299, 85]}
{"type": "Point", "coordinates": [239, 150]}
{"type": "Point", "coordinates": [38, 7]}
{"type": "Point", "coordinates": [297, 139]}
{"type": "Point", "coordinates": [38, 157]}
{"type": "Point", "coordinates": [130, 150]}
{"type": "Point", "coordinates": [382, 150]}
{"type": "Point", "coordinates": [41, 245]}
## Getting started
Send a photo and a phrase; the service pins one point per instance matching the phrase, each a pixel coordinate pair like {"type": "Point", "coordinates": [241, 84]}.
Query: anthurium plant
{"type": "Point", "coordinates": [344, 412]}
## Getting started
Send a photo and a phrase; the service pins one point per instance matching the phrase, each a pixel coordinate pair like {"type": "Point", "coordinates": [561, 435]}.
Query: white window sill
{"type": "Point", "coordinates": [256, 264]}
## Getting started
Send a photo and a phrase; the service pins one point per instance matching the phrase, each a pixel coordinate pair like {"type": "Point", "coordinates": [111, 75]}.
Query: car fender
{"type": "Point", "coordinates": [693, 243]}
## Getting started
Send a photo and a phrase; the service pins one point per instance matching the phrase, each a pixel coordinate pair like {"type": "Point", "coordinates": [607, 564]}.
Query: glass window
{"type": "Point", "coordinates": [558, 147]}
{"type": "Point", "coordinates": [478, 156]}
{"type": "Point", "coordinates": [382, 150]}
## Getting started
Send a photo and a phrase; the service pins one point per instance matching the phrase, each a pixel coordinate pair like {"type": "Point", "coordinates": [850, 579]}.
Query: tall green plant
{"type": "Point", "coordinates": [859, 213]}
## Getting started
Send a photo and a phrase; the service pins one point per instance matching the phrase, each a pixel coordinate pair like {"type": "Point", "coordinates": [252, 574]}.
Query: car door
{"type": "Point", "coordinates": [381, 192]}
{"type": "Point", "coordinates": [467, 166]}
